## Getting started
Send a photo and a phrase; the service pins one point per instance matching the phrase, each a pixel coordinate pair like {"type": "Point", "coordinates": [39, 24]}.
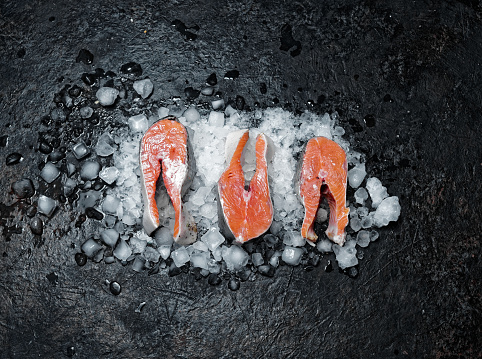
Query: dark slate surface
{"type": "Point", "coordinates": [412, 68]}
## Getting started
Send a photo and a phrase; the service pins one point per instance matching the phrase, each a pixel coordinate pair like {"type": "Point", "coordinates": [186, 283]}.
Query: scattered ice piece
{"type": "Point", "coordinates": [362, 212]}
{"type": "Point", "coordinates": [109, 174]}
{"type": "Point", "coordinates": [361, 195]}
{"type": "Point", "coordinates": [86, 112]}
{"type": "Point", "coordinates": [339, 131]}
{"type": "Point", "coordinates": [110, 237]}
{"type": "Point", "coordinates": [90, 248]}
{"type": "Point", "coordinates": [111, 204]}
{"type": "Point", "coordinates": [235, 257]}
{"type": "Point", "coordinates": [294, 239]}
{"type": "Point", "coordinates": [163, 236]}
{"type": "Point", "coordinates": [200, 246]}
{"type": "Point", "coordinates": [229, 110]}
{"type": "Point", "coordinates": [373, 235]}
{"type": "Point", "coordinates": [274, 260]}
{"type": "Point", "coordinates": [129, 219]}
{"type": "Point", "coordinates": [90, 170]}
{"type": "Point", "coordinates": [122, 251]}
{"type": "Point", "coordinates": [143, 87]}
{"type": "Point", "coordinates": [151, 254]}
{"type": "Point", "coordinates": [180, 256]}
{"type": "Point", "coordinates": [346, 255]}
{"type": "Point", "coordinates": [377, 191]}
{"type": "Point", "coordinates": [70, 169]}
{"type": "Point", "coordinates": [213, 266]}
{"type": "Point", "coordinates": [216, 119]}
{"type": "Point", "coordinates": [105, 145]}
{"type": "Point", "coordinates": [162, 112]}
{"type": "Point", "coordinates": [355, 223]}
{"type": "Point", "coordinates": [387, 211]}
{"type": "Point", "coordinates": [213, 239]}
{"type": "Point", "coordinates": [107, 95]}
{"type": "Point", "coordinates": [69, 186]}
{"type": "Point", "coordinates": [88, 199]}
{"type": "Point", "coordinates": [321, 215]}
{"type": "Point", "coordinates": [198, 198]}
{"type": "Point", "coordinates": [217, 104]}
{"type": "Point", "coordinates": [363, 238]}
{"type": "Point", "coordinates": [217, 254]}
{"type": "Point", "coordinates": [324, 246]}
{"type": "Point", "coordinates": [138, 123]}
{"type": "Point", "coordinates": [138, 265]}
{"type": "Point", "coordinates": [257, 259]}
{"type": "Point", "coordinates": [356, 175]}
{"type": "Point", "coordinates": [292, 255]}
{"type": "Point", "coordinates": [366, 222]}
{"type": "Point", "coordinates": [209, 210]}
{"type": "Point", "coordinates": [80, 150]}
{"type": "Point", "coordinates": [191, 114]}
{"type": "Point", "coordinates": [46, 205]}
{"type": "Point", "coordinates": [137, 244]}
{"type": "Point", "coordinates": [50, 172]}
{"type": "Point", "coordinates": [164, 250]}
{"type": "Point", "coordinates": [207, 91]}
{"type": "Point", "coordinates": [200, 260]}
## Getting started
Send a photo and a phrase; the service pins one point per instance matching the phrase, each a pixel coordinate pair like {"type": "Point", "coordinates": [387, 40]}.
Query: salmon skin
{"type": "Point", "coordinates": [165, 146]}
{"type": "Point", "coordinates": [322, 170]}
{"type": "Point", "coordinates": [245, 213]}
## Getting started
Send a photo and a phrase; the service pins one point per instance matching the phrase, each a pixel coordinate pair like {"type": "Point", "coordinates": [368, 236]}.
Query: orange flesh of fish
{"type": "Point", "coordinates": [164, 144]}
{"type": "Point", "coordinates": [324, 163]}
{"type": "Point", "coordinates": [247, 213]}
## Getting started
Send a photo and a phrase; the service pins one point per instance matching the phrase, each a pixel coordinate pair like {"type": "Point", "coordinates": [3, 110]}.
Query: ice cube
{"type": "Point", "coordinates": [111, 204]}
{"type": "Point", "coordinates": [107, 95]}
{"type": "Point", "coordinates": [109, 174]}
{"type": "Point", "coordinates": [363, 238]}
{"type": "Point", "coordinates": [138, 264]}
{"type": "Point", "coordinates": [321, 215]}
{"type": "Point", "coordinates": [23, 188]}
{"type": "Point", "coordinates": [235, 257]}
{"type": "Point", "coordinates": [216, 119]}
{"type": "Point", "coordinates": [105, 145]}
{"type": "Point", "coordinates": [122, 251]}
{"type": "Point", "coordinates": [200, 260]}
{"type": "Point", "coordinates": [80, 150]}
{"type": "Point", "coordinates": [212, 238]}
{"type": "Point", "coordinates": [50, 172]}
{"type": "Point", "coordinates": [373, 235]}
{"type": "Point", "coordinates": [274, 260]}
{"type": "Point", "coordinates": [110, 237]}
{"type": "Point", "coordinates": [164, 250]}
{"type": "Point", "coordinates": [387, 211]}
{"type": "Point", "coordinates": [217, 254]}
{"type": "Point", "coordinates": [143, 87]}
{"type": "Point", "coordinates": [213, 266]}
{"type": "Point", "coordinates": [294, 239]}
{"type": "Point", "coordinates": [191, 114]}
{"type": "Point", "coordinates": [90, 248]}
{"type": "Point", "coordinates": [198, 198]}
{"type": "Point", "coordinates": [208, 210]}
{"type": "Point", "coordinates": [151, 254]}
{"type": "Point", "coordinates": [324, 246]}
{"type": "Point", "coordinates": [346, 255]}
{"type": "Point", "coordinates": [361, 195]}
{"type": "Point", "coordinates": [90, 170]}
{"type": "Point", "coordinates": [180, 256]}
{"type": "Point", "coordinates": [162, 112]}
{"type": "Point", "coordinates": [355, 223]}
{"type": "Point", "coordinates": [46, 205]}
{"type": "Point", "coordinates": [356, 175]}
{"type": "Point", "coordinates": [366, 222]}
{"type": "Point", "coordinates": [200, 246]}
{"type": "Point", "coordinates": [138, 123]}
{"type": "Point", "coordinates": [292, 255]}
{"type": "Point", "coordinates": [86, 112]}
{"type": "Point", "coordinates": [217, 104]}
{"type": "Point", "coordinates": [377, 191]}
{"type": "Point", "coordinates": [137, 244]}
{"type": "Point", "coordinates": [229, 110]}
{"type": "Point", "coordinates": [257, 259]}
{"type": "Point", "coordinates": [207, 91]}
{"type": "Point", "coordinates": [163, 236]}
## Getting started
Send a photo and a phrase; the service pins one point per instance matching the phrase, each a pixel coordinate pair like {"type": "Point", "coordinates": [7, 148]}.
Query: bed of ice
{"type": "Point", "coordinates": [122, 204]}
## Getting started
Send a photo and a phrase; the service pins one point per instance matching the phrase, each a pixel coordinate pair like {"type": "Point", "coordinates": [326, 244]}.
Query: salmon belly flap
{"type": "Point", "coordinates": [247, 213]}
{"type": "Point", "coordinates": [323, 172]}
{"type": "Point", "coordinates": [164, 147]}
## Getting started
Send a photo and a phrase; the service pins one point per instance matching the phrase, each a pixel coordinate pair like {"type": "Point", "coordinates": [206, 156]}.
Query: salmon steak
{"type": "Point", "coordinates": [165, 148]}
{"type": "Point", "coordinates": [323, 172]}
{"type": "Point", "coordinates": [245, 212]}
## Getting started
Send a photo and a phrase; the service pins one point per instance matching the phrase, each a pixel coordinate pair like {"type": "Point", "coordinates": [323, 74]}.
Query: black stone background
{"type": "Point", "coordinates": [415, 67]}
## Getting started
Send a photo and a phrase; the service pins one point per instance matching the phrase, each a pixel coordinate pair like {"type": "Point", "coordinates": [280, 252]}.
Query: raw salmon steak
{"type": "Point", "coordinates": [165, 148]}
{"type": "Point", "coordinates": [245, 213]}
{"type": "Point", "coordinates": [323, 171]}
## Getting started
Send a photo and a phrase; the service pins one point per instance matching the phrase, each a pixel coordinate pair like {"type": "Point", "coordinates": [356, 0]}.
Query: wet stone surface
{"type": "Point", "coordinates": [404, 81]}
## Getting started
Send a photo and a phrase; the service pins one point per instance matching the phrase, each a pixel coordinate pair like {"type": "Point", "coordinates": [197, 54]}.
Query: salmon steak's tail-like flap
{"type": "Point", "coordinates": [165, 149]}
{"type": "Point", "coordinates": [323, 172]}
{"type": "Point", "coordinates": [245, 212]}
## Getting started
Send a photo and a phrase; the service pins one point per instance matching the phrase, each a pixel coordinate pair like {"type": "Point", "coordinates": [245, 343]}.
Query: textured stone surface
{"type": "Point", "coordinates": [412, 70]}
